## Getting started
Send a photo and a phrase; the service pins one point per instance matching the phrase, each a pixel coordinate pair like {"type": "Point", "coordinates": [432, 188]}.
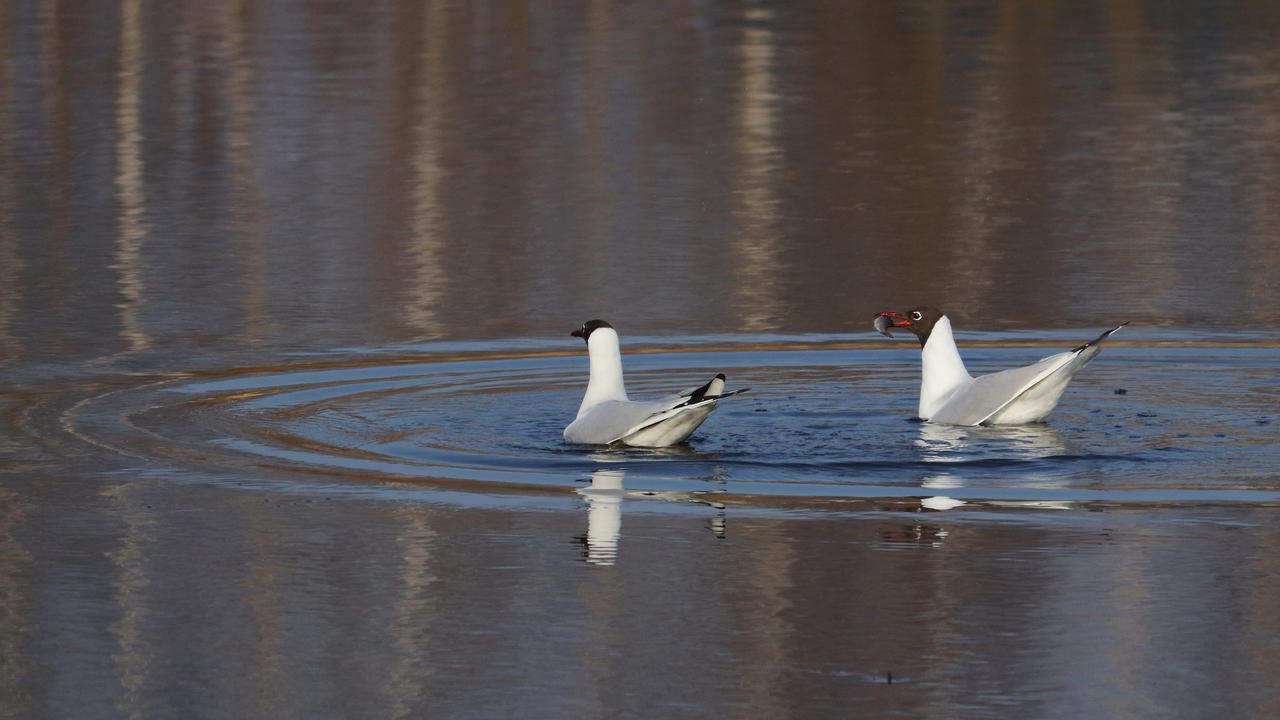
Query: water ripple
{"type": "Point", "coordinates": [820, 424]}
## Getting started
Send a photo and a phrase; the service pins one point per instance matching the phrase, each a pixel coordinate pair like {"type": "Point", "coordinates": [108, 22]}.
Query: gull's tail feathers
{"type": "Point", "coordinates": [1099, 339]}
{"type": "Point", "coordinates": [712, 390]}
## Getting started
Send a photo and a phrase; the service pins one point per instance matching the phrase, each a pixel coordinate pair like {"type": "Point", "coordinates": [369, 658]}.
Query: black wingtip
{"type": "Point", "coordinates": [731, 393]}
{"type": "Point", "coordinates": [700, 393]}
{"type": "Point", "coordinates": [1100, 338]}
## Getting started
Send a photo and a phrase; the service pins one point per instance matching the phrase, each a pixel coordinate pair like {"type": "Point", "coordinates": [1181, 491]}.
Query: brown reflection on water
{"type": "Point", "coordinates": [58, 126]}
{"type": "Point", "coordinates": [264, 580]}
{"type": "Point", "coordinates": [1263, 570]}
{"type": "Point", "coordinates": [1141, 181]}
{"type": "Point", "coordinates": [1256, 71]}
{"type": "Point", "coordinates": [311, 177]}
{"type": "Point", "coordinates": [981, 205]}
{"type": "Point", "coordinates": [772, 619]}
{"type": "Point", "coordinates": [11, 265]}
{"type": "Point", "coordinates": [15, 600]}
{"type": "Point", "coordinates": [248, 229]}
{"type": "Point", "coordinates": [591, 268]}
{"type": "Point", "coordinates": [755, 243]}
{"type": "Point", "coordinates": [221, 600]}
{"type": "Point", "coordinates": [416, 608]}
{"type": "Point", "coordinates": [133, 654]}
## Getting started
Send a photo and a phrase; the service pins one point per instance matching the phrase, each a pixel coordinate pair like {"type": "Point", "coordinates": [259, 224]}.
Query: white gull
{"type": "Point", "coordinates": [948, 394]}
{"type": "Point", "coordinates": [606, 416]}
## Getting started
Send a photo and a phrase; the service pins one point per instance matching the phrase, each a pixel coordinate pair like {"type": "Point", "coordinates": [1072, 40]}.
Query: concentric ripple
{"type": "Point", "coordinates": [821, 424]}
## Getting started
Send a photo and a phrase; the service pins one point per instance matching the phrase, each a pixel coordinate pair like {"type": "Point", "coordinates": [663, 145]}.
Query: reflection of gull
{"type": "Point", "coordinates": [948, 443]}
{"type": "Point", "coordinates": [941, 481]}
{"type": "Point", "coordinates": [938, 443]}
{"type": "Point", "coordinates": [604, 498]}
{"type": "Point", "coordinates": [917, 534]}
{"type": "Point", "coordinates": [604, 515]}
{"type": "Point", "coordinates": [941, 444]}
{"type": "Point", "coordinates": [940, 502]}
{"type": "Point", "coordinates": [717, 526]}
{"type": "Point", "coordinates": [956, 445]}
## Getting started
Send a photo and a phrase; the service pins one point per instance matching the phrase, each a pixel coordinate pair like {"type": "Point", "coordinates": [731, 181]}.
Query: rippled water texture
{"type": "Point", "coordinates": [285, 295]}
{"type": "Point", "coordinates": [819, 424]}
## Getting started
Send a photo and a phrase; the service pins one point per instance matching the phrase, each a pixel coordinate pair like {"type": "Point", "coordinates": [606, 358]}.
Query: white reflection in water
{"type": "Point", "coordinates": [957, 445]}
{"type": "Point", "coordinates": [949, 443]}
{"type": "Point", "coordinates": [942, 481]}
{"type": "Point", "coordinates": [416, 604]}
{"type": "Point", "coordinates": [755, 245]}
{"type": "Point", "coordinates": [940, 502]}
{"type": "Point", "coordinates": [604, 515]}
{"type": "Point", "coordinates": [605, 496]}
{"type": "Point", "coordinates": [425, 246]}
{"type": "Point", "coordinates": [131, 223]}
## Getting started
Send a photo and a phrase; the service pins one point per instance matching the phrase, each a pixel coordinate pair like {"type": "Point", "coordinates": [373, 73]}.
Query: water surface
{"type": "Point", "coordinates": [1173, 422]}
{"type": "Point", "coordinates": [285, 294]}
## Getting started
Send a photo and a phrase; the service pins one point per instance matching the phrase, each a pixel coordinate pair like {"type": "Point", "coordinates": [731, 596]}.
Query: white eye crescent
{"type": "Point", "coordinates": [915, 315]}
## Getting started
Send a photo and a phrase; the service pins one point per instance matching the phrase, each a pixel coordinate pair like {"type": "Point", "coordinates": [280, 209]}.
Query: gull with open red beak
{"type": "Point", "coordinates": [948, 394]}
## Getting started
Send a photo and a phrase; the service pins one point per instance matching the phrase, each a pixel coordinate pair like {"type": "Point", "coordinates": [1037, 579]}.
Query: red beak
{"type": "Point", "coordinates": [888, 320]}
{"type": "Point", "coordinates": [898, 320]}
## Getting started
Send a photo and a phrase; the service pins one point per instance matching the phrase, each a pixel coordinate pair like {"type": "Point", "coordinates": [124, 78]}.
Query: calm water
{"type": "Point", "coordinates": [285, 294]}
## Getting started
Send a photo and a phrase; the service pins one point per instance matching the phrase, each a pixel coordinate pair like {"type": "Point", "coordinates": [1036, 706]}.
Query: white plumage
{"type": "Point", "coordinates": [607, 416]}
{"type": "Point", "coordinates": [948, 394]}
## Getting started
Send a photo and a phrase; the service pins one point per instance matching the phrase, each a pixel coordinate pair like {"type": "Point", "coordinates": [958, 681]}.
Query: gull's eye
{"type": "Point", "coordinates": [915, 315]}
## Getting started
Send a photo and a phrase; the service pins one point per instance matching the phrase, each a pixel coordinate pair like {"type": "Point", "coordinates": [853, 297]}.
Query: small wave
{"type": "Point", "coordinates": [820, 423]}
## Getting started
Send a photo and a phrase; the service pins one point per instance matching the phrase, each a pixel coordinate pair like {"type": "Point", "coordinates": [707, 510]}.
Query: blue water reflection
{"type": "Point", "coordinates": [819, 423]}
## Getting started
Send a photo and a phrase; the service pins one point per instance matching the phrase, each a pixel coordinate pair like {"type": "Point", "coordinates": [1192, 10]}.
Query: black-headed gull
{"type": "Point", "coordinates": [606, 416]}
{"type": "Point", "coordinates": [948, 394]}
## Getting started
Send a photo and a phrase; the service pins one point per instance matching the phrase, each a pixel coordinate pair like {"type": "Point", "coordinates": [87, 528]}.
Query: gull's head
{"type": "Point", "coordinates": [590, 327]}
{"type": "Point", "coordinates": [919, 320]}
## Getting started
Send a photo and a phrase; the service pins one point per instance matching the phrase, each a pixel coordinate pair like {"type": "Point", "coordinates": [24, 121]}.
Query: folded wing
{"type": "Point", "coordinates": [636, 422]}
{"type": "Point", "coordinates": [1019, 395]}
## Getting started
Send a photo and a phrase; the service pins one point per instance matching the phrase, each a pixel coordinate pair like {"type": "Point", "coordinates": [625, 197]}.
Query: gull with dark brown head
{"type": "Point", "coordinates": [606, 416]}
{"type": "Point", "coordinates": [948, 394]}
